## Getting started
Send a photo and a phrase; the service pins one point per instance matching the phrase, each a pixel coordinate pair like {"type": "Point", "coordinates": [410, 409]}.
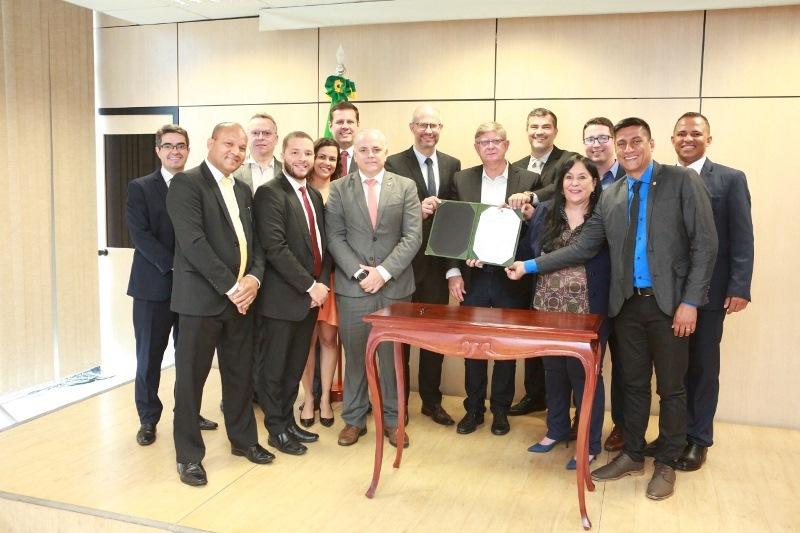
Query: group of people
{"type": "Point", "coordinates": [337, 230]}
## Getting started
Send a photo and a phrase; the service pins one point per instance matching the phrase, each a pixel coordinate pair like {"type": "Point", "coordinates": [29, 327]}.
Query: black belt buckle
{"type": "Point", "coordinates": [643, 291]}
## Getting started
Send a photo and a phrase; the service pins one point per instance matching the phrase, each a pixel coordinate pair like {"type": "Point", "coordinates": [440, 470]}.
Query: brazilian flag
{"type": "Point", "coordinates": [338, 89]}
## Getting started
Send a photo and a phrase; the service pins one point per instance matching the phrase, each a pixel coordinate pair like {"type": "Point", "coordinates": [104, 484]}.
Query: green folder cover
{"type": "Point", "coordinates": [457, 224]}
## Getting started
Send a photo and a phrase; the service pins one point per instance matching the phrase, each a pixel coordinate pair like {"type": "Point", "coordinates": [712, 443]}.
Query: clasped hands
{"type": "Point", "coordinates": [373, 282]}
{"type": "Point", "coordinates": [245, 293]}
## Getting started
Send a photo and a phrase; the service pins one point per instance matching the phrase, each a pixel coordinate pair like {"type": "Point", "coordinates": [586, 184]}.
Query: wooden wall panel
{"type": "Point", "coordinates": [200, 121]}
{"type": "Point", "coordinates": [752, 52]}
{"type": "Point", "coordinates": [759, 357]}
{"type": "Point", "coordinates": [573, 114]}
{"type": "Point", "coordinates": [583, 57]}
{"type": "Point", "coordinates": [423, 60]}
{"type": "Point", "coordinates": [26, 283]}
{"type": "Point", "coordinates": [138, 66]}
{"type": "Point", "coordinates": [231, 62]}
{"type": "Point", "coordinates": [74, 193]}
{"type": "Point", "coordinates": [460, 120]}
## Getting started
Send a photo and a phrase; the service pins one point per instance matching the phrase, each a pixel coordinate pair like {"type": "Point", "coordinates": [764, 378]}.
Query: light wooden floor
{"type": "Point", "coordinates": [80, 469]}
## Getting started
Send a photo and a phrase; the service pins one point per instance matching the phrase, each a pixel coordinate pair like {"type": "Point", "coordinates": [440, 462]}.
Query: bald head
{"type": "Point", "coordinates": [370, 151]}
{"type": "Point", "coordinates": [426, 125]}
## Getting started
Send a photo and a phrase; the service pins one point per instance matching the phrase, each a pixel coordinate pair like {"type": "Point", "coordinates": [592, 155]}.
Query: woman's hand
{"type": "Point", "coordinates": [516, 270]}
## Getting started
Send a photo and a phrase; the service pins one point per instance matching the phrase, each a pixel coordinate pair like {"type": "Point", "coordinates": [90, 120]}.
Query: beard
{"type": "Point", "coordinates": [292, 174]}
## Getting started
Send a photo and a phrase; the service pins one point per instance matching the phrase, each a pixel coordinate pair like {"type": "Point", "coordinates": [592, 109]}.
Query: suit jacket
{"type": "Point", "coordinates": [467, 188]}
{"type": "Point", "coordinates": [730, 201]}
{"type": "Point", "coordinates": [206, 248]}
{"type": "Point", "coordinates": [289, 261]}
{"type": "Point", "coordinates": [549, 171]}
{"type": "Point", "coordinates": [153, 238]}
{"type": "Point", "coordinates": [406, 164]}
{"type": "Point", "coordinates": [681, 239]}
{"type": "Point", "coordinates": [392, 244]}
{"type": "Point", "coordinates": [245, 174]}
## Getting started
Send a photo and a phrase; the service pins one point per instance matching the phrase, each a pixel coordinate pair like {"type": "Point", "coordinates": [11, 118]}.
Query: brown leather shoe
{"type": "Point", "coordinates": [391, 433]}
{"type": "Point", "coordinates": [662, 484]}
{"type": "Point", "coordinates": [621, 466]}
{"type": "Point", "coordinates": [615, 441]}
{"type": "Point", "coordinates": [349, 435]}
{"type": "Point", "coordinates": [438, 414]}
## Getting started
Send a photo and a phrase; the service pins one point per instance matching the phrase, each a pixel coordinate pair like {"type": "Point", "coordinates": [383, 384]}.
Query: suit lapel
{"type": "Point", "coordinates": [211, 183]}
{"type": "Point", "coordinates": [357, 192]}
{"type": "Point", "coordinates": [473, 186]}
{"type": "Point", "coordinates": [387, 189]}
{"type": "Point", "coordinates": [413, 168]}
{"type": "Point", "coordinates": [160, 185]}
{"type": "Point", "coordinates": [512, 185]}
{"type": "Point", "coordinates": [655, 187]}
{"type": "Point", "coordinates": [298, 210]}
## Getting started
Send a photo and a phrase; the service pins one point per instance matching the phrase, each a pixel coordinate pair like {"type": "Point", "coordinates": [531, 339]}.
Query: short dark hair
{"type": "Point", "coordinates": [633, 121]}
{"type": "Point", "coordinates": [171, 128]}
{"type": "Point", "coordinates": [543, 112]}
{"type": "Point", "coordinates": [341, 106]}
{"type": "Point", "coordinates": [599, 121]}
{"type": "Point", "coordinates": [693, 114]}
{"type": "Point", "coordinates": [295, 135]}
{"type": "Point", "coordinates": [322, 143]}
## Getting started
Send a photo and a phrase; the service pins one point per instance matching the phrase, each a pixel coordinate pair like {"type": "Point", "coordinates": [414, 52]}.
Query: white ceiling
{"type": "Point", "coordinates": [296, 14]}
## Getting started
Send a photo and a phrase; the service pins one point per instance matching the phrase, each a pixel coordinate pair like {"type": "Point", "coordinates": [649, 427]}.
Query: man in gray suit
{"type": "Point", "coordinates": [373, 223]}
{"type": "Point", "coordinates": [663, 244]}
{"type": "Point", "coordinates": [261, 165]}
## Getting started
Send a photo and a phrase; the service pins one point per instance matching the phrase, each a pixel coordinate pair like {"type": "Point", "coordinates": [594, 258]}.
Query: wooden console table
{"type": "Point", "coordinates": [483, 333]}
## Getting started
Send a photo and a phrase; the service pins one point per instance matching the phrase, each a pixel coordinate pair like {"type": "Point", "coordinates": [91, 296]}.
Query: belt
{"type": "Point", "coordinates": [643, 291]}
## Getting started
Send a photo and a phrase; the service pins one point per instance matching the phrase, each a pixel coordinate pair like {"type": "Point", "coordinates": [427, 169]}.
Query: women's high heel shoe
{"type": "Point", "coordinates": [308, 422]}
{"type": "Point", "coordinates": [327, 422]}
{"type": "Point", "coordinates": [544, 448]}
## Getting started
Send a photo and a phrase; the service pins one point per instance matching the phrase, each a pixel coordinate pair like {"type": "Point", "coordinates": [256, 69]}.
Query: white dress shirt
{"type": "Point", "coordinates": [424, 168]}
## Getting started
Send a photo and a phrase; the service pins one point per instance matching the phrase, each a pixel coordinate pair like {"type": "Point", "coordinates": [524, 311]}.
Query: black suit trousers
{"type": "Point", "coordinates": [231, 333]}
{"type": "Point", "coordinates": [432, 290]}
{"type": "Point", "coordinates": [702, 378]}
{"type": "Point", "coordinates": [645, 341]}
{"type": "Point", "coordinates": [152, 322]}
{"type": "Point", "coordinates": [490, 287]}
{"type": "Point", "coordinates": [280, 359]}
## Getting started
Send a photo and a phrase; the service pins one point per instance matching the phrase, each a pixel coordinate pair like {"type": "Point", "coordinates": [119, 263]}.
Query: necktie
{"type": "Point", "coordinates": [312, 230]}
{"type": "Point", "coordinates": [344, 162]}
{"type": "Point", "coordinates": [226, 186]}
{"type": "Point", "coordinates": [630, 240]}
{"type": "Point", "coordinates": [608, 179]}
{"type": "Point", "coordinates": [536, 166]}
{"type": "Point", "coordinates": [372, 200]}
{"type": "Point", "coordinates": [431, 178]}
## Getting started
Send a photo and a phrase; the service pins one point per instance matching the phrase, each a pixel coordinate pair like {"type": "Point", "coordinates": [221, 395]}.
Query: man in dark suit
{"type": "Point", "coordinates": [730, 284]}
{"type": "Point", "coordinates": [261, 166]}
{"type": "Point", "coordinates": [218, 270]}
{"type": "Point", "coordinates": [432, 171]}
{"type": "Point", "coordinates": [660, 232]}
{"type": "Point", "coordinates": [291, 231]}
{"type": "Point", "coordinates": [343, 121]}
{"type": "Point", "coordinates": [489, 183]}
{"type": "Point", "coordinates": [545, 159]}
{"type": "Point", "coordinates": [150, 283]}
{"type": "Point", "coordinates": [374, 227]}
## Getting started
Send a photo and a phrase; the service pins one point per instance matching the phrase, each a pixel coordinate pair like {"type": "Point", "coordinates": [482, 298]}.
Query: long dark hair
{"type": "Point", "coordinates": [322, 143]}
{"type": "Point", "coordinates": [554, 221]}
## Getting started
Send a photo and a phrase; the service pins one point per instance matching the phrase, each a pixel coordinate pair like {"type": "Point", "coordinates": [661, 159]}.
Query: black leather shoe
{"type": "Point", "coordinates": [146, 434]}
{"type": "Point", "coordinates": [300, 434]}
{"type": "Point", "coordinates": [692, 458]}
{"type": "Point", "coordinates": [469, 423]}
{"type": "Point", "coordinates": [192, 474]}
{"type": "Point", "coordinates": [500, 425]}
{"type": "Point", "coordinates": [651, 449]}
{"type": "Point", "coordinates": [308, 422]}
{"type": "Point", "coordinates": [206, 424]}
{"type": "Point", "coordinates": [255, 454]}
{"type": "Point", "coordinates": [285, 443]}
{"type": "Point", "coordinates": [526, 405]}
{"type": "Point", "coordinates": [438, 414]}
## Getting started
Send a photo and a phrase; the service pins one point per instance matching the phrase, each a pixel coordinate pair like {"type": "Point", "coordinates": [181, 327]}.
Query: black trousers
{"type": "Point", "coordinates": [702, 378]}
{"type": "Point", "coordinates": [534, 379]}
{"type": "Point", "coordinates": [490, 287]}
{"type": "Point", "coordinates": [432, 290]}
{"type": "Point", "coordinates": [645, 340]}
{"type": "Point", "coordinates": [617, 385]}
{"type": "Point", "coordinates": [280, 359]}
{"type": "Point", "coordinates": [152, 322]}
{"type": "Point", "coordinates": [231, 334]}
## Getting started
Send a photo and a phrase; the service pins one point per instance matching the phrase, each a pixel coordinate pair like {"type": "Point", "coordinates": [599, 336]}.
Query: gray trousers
{"type": "Point", "coordinates": [354, 332]}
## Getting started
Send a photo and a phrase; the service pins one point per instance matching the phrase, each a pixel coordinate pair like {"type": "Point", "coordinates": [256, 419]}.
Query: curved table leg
{"type": "Point", "coordinates": [584, 478]}
{"type": "Point", "coordinates": [399, 370]}
{"type": "Point", "coordinates": [377, 409]}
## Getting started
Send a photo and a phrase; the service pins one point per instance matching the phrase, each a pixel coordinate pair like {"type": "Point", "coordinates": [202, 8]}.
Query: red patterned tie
{"type": "Point", "coordinates": [312, 230]}
{"type": "Point", "coordinates": [344, 163]}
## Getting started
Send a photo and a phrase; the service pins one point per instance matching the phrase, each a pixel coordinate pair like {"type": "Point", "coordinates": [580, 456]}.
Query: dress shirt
{"type": "Point", "coordinates": [608, 178]}
{"type": "Point", "coordinates": [542, 160]}
{"type": "Point", "coordinates": [168, 176]}
{"type": "Point", "coordinates": [379, 180]}
{"type": "Point", "coordinates": [641, 268]}
{"type": "Point", "coordinates": [260, 175]}
{"type": "Point", "coordinates": [697, 166]}
{"type": "Point", "coordinates": [296, 186]}
{"type": "Point", "coordinates": [350, 153]}
{"type": "Point", "coordinates": [424, 168]}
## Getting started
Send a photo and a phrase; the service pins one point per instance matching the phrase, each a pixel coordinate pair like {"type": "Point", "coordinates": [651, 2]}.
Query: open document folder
{"type": "Point", "coordinates": [467, 230]}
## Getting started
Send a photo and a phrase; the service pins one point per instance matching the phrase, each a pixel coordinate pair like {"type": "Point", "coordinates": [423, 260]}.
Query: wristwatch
{"type": "Point", "coordinates": [361, 275]}
{"type": "Point", "coordinates": [534, 200]}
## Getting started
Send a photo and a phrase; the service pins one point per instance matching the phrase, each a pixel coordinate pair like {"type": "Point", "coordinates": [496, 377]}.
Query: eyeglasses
{"type": "Point", "coordinates": [602, 139]}
{"type": "Point", "coordinates": [262, 133]}
{"type": "Point", "coordinates": [169, 147]}
{"type": "Point", "coordinates": [635, 143]}
{"type": "Point", "coordinates": [485, 143]}
{"type": "Point", "coordinates": [427, 125]}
